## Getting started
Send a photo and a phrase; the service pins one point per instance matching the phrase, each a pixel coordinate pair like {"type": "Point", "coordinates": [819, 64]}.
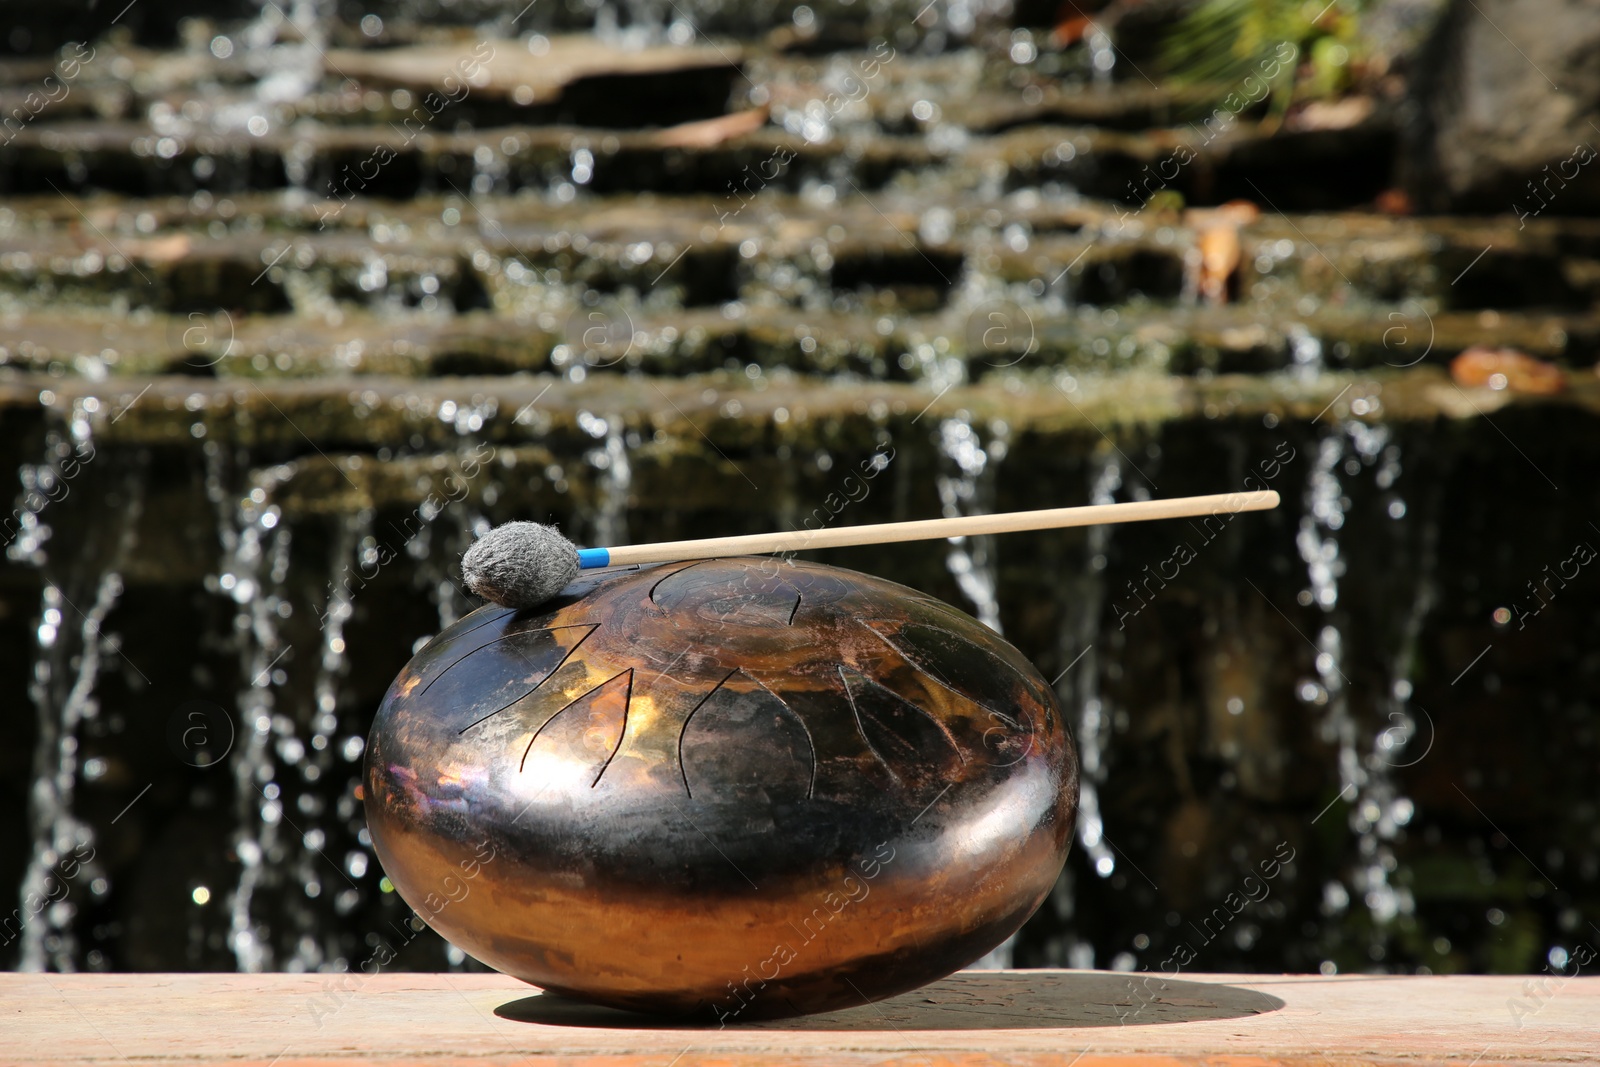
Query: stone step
{"type": "Point", "coordinates": [969, 343]}
{"type": "Point", "coordinates": [582, 80]}
{"type": "Point", "coordinates": [979, 89]}
{"type": "Point", "coordinates": [728, 411]}
{"type": "Point", "coordinates": [401, 161]}
{"type": "Point", "coordinates": [818, 23]}
{"type": "Point", "coordinates": [891, 253]}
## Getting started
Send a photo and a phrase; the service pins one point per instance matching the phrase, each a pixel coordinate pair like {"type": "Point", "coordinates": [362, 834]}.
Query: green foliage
{"type": "Point", "coordinates": [1225, 42]}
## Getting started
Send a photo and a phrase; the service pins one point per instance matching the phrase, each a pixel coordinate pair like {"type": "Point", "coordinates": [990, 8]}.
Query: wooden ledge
{"type": "Point", "coordinates": [1021, 1018]}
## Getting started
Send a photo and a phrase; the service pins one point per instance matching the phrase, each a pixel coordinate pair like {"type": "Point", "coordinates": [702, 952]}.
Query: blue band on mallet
{"type": "Point", "coordinates": [590, 558]}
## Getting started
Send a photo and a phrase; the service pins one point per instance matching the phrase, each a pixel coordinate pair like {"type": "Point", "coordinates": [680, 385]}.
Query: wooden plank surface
{"type": "Point", "coordinates": [1022, 1018]}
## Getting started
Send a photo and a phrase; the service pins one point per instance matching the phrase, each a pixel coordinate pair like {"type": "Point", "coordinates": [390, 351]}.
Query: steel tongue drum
{"type": "Point", "coordinates": [735, 788]}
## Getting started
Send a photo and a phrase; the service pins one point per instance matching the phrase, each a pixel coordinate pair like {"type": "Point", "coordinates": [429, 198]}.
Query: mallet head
{"type": "Point", "coordinates": [520, 564]}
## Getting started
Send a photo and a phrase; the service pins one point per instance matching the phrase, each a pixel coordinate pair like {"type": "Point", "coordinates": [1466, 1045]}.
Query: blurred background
{"type": "Point", "coordinates": [298, 296]}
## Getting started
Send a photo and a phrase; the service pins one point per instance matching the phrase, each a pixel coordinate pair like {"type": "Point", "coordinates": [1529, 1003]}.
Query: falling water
{"type": "Point", "coordinates": [1305, 348]}
{"type": "Point", "coordinates": [489, 170]}
{"type": "Point", "coordinates": [1081, 684]}
{"type": "Point", "coordinates": [442, 544]}
{"type": "Point", "coordinates": [1393, 744]}
{"type": "Point", "coordinates": [314, 871]}
{"type": "Point", "coordinates": [284, 49]}
{"type": "Point", "coordinates": [444, 534]}
{"type": "Point", "coordinates": [969, 490]}
{"type": "Point", "coordinates": [255, 553]}
{"type": "Point", "coordinates": [286, 46]}
{"type": "Point", "coordinates": [1078, 687]}
{"type": "Point", "coordinates": [610, 460]}
{"type": "Point", "coordinates": [432, 579]}
{"type": "Point", "coordinates": [283, 839]}
{"type": "Point", "coordinates": [1382, 812]}
{"type": "Point", "coordinates": [71, 646]}
{"type": "Point", "coordinates": [1376, 809]}
{"type": "Point", "coordinates": [1102, 56]}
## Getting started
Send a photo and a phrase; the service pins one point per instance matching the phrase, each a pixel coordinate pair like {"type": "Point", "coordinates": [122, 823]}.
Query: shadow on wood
{"type": "Point", "coordinates": [973, 1000]}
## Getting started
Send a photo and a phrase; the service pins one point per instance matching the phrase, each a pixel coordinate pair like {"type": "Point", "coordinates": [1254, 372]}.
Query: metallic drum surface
{"type": "Point", "coordinates": [739, 787]}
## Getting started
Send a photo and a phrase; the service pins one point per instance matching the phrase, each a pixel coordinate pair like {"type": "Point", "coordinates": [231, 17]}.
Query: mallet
{"type": "Point", "coordinates": [524, 564]}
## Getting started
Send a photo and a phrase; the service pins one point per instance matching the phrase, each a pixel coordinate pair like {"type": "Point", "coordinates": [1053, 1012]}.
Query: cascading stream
{"type": "Point", "coordinates": [613, 476]}
{"type": "Point", "coordinates": [1080, 686]}
{"type": "Point", "coordinates": [315, 871]}
{"type": "Point", "coordinates": [1377, 811]}
{"type": "Point", "coordinates": [255, 553]}
{"type": "Point", "coordinates": [71, 646]}
{"type": "Point", "coordinates": [969, 490]}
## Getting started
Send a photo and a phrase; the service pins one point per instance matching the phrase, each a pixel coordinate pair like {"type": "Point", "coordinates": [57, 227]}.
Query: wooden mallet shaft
{"type": "Point", "coordinates": [1228, 504]}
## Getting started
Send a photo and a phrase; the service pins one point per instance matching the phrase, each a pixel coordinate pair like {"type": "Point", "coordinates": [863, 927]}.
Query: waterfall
{"type": "Point", "coordinates": [1392, 745]}
{"type": "Point", "coordinates": [314, 870]}
{"type": "Point", "coordinates": [1080, 687]}
{"type": "Point", "coordinates": [1102, 56]}
{"type": "Point", "coordinates": [1077, 686]}
{"type": "Point", "coordinates": [609, 523]}
{"type": "Point", "coordinates": [255, 555]}
{"type": "Point", "coordinates": [284, 49]}
{"type": "Point", "coordinates": [968, 489]}
{"type": "Point", "coordinates": [1377, 811]}
{"type": "Point", "coordinates": [70, 647]}
{"type": "Point", "coordinates": [1305, 349]}
{"type": "Point", "coordinates": [436, 552]}
{"type": "Point", "coordinates": [489, 171]}
{"type": "Point", "coordinates": [1386, 811]}
{"type": "Point", "coordinates": [277, 907]}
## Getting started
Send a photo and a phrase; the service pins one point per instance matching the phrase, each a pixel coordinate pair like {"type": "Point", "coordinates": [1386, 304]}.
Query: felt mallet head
{"type": "Point", "coordinates": [520, 564]}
